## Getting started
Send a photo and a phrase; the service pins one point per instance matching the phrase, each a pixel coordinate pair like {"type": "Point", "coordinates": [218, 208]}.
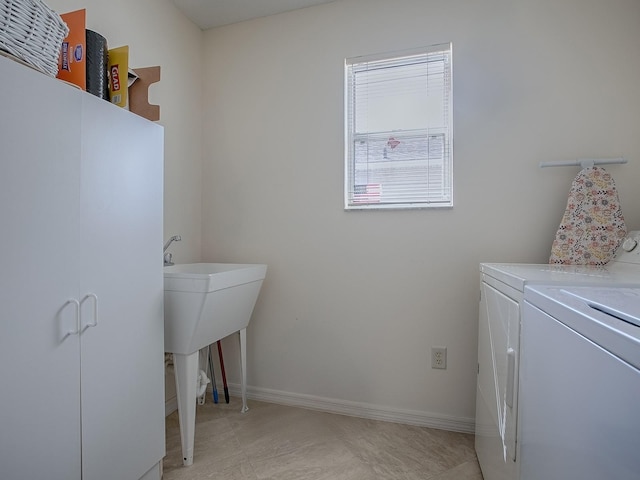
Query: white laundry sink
{"type": "Point", "coordinates": [203, 303]}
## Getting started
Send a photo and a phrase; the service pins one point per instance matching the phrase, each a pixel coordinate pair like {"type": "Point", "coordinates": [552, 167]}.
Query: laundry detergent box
{"type": "Point", "coordinates": [72, 64]}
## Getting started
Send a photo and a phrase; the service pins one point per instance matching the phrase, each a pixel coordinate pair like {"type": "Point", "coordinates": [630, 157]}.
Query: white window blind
{"type": "Point", "coordinates": [398, 130]}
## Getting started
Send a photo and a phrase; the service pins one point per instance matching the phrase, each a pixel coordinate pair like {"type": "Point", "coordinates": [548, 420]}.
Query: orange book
{"type": "Point", "coordinates": [72, 65]}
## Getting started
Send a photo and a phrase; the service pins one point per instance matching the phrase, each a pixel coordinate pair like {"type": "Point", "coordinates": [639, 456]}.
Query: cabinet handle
{"type": "Point", "coordinates": [511, 374]}
{"type": "Point", "coordinates": [95, 310]}
{"type": "Point", "coordinates": [75, 302]}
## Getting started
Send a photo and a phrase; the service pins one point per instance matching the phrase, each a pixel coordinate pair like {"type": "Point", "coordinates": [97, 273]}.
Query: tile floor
{"type": "Point", "coordinates": [287, 443]}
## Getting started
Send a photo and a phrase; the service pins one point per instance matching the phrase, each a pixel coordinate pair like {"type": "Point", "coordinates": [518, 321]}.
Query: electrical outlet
{"type": "Point", "coordinates": [439, 357]}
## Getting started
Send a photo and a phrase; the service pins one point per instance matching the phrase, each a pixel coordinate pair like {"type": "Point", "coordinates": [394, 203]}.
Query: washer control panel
{"type": "Point", "coordinates": [629, 250]}
{"type": "Point", "coordinates": [629, 244]}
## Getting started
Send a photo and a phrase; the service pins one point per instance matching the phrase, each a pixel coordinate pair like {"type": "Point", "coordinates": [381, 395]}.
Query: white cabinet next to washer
{"type": "Point", "coordinates": [81, 285]}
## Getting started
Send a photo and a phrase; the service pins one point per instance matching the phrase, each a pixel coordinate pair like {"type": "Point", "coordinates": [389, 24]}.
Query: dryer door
{"type": "Point", "coordinates": [498, 371]}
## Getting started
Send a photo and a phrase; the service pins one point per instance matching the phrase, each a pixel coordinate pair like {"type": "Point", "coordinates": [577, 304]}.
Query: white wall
{"type": "Point", "coordinates": [158, 34]}
{"type": "Point", "coordinates": [353, 301]}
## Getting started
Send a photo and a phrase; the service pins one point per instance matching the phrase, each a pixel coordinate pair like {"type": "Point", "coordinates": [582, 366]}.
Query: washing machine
{"type": "Point", "coordinates": [500, 315]}
{"type": "Point", "coordinates": [580, 383]}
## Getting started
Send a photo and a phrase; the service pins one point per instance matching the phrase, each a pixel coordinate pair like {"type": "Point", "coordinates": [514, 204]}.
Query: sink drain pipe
{"type": "Point", "coordinates": [203, 381]}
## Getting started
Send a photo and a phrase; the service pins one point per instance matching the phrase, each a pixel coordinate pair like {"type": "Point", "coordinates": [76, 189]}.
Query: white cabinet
{"type": "Point", "coordinates": [81, 243]}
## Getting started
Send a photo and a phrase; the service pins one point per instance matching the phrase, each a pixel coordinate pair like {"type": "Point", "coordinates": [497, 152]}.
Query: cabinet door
{"type": "Point", "coordinates": [121, 258]}
{"type": "Point", "coordinates": [39, 191]}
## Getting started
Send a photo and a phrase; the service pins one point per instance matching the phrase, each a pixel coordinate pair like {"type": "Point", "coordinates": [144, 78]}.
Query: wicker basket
{"type": "Point", "coordinates": [33, 32]}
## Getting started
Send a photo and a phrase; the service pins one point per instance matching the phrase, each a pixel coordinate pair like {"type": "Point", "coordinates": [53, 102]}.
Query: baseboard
{"type": "Point", "coordinates": [170, 406]}
{"type": "Point", "coordinates": [357, 409]}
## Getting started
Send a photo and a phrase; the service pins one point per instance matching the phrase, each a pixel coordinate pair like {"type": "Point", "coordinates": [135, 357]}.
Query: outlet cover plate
{"type": "Point", "coordinates": [439, 357]}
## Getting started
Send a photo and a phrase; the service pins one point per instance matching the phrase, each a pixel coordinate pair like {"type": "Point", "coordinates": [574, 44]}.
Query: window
{"type": "Point", "coordinates": [398, 148]}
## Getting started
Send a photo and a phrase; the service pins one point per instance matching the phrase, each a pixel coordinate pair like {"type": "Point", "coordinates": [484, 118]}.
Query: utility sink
{"type": "Point", "coordinates": [203, 303]}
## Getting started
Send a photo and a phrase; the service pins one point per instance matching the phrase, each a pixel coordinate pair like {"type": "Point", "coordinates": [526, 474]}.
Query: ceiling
{"type": "Point", "coordinates": [216, 13]}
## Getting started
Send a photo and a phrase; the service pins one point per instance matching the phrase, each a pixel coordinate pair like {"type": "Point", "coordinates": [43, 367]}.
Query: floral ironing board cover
{"type": "Point", "coordinates": [592, 226]}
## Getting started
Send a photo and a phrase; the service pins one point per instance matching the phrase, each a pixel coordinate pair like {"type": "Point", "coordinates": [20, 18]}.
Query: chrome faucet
{"type": "Point", "coordinates": [168, 256]}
